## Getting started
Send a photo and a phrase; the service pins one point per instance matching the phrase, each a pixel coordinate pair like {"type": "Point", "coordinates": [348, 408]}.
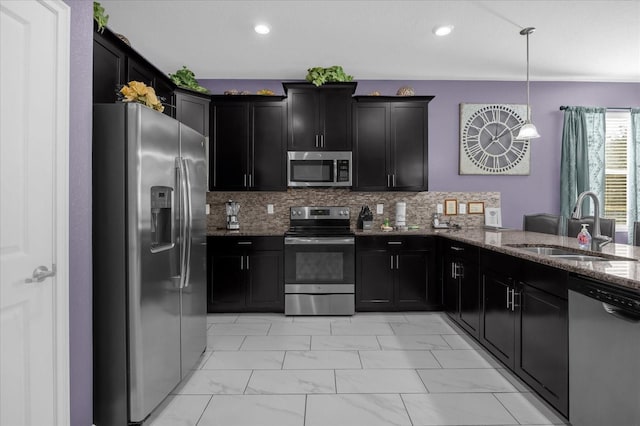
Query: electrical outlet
{"type": "Point", "coordinates": [462, 208]}
{"type": "Point", "coordinates": [439, 208]}
{"type": "Point", "coordinates": [379, 208]}
{"type": "Point", "coordinates": [207, 208]}
{"type": "Point", "coordinates": [269, 208]}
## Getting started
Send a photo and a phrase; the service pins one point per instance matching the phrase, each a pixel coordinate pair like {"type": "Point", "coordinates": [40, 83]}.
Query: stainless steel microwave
{"type": "Point", "coordinates": [319, 168]}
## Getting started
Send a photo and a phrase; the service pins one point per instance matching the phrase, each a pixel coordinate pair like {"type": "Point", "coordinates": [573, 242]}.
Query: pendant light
{"type": "Point", "coordinates": [528, 131]}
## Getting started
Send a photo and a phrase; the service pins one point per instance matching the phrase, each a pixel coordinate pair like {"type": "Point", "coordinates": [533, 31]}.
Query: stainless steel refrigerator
{"type": "Point", "coordinates": [149, 273]}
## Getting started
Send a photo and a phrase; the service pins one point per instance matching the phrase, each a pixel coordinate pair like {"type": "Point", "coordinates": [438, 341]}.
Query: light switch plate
{"type": "Point", "coordinates": [462, 208]}
{"type": "Point", "coordinates": [269, 208]}
{"type": "Point", "coordinates": [439, 208]}
{"type": "Point", "coordinates": [207, 208]}
{"type": "Point", "coordinates": [380, 208]}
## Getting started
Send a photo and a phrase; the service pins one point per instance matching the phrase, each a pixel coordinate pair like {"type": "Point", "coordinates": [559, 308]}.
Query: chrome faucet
{"type": "Point", "coordinates": [597, 240]}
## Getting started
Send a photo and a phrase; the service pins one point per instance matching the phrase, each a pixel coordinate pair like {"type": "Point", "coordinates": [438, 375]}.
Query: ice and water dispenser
{"type": "Point", "coordinates": [161, 218]}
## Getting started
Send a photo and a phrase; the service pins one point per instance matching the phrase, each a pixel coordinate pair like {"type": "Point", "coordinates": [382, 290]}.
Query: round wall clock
{"type": "Point", "coordinates": [488, 144]}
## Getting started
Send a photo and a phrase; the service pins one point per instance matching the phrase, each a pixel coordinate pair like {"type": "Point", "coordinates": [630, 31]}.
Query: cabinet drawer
{"type": "Point", "coordinates": [245, 243]}
{"type": "Point", "coordinates": [545, 278]}
{"type": "Point", "coordinates": [404, 242]}
{"type": "Point", "coordinates": [503, 264]}
{"type": "Point", "coordinates": [460, 250]}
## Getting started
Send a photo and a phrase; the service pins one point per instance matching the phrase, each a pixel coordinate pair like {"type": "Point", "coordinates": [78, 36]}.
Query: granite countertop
{"type": "Point", "coordinates": [247, 231]}
{"type": "Point", "coordinates": [624, 273]}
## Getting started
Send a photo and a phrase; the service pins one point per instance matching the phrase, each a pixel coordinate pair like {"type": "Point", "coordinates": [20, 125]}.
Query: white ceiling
{"type": "Point", "coordinates": [574, 40]}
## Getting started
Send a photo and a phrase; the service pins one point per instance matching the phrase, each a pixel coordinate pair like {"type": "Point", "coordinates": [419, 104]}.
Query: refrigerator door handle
{"type": "Point", "coordinates": [183, 220]}
{"type": "Point", "coordinates": [189, 224]}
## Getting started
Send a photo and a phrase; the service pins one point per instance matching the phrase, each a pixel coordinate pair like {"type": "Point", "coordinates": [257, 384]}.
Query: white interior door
{"type": "Point", "coordinates": [34, 73]}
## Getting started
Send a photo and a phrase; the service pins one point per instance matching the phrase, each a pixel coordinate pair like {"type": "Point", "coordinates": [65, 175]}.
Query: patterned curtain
{"type": "Point", "coordinates": [582, 165]}
{"type": "Point", "coordinates": [633, 200]}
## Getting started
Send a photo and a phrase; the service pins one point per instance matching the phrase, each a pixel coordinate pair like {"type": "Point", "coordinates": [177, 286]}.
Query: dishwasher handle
{"type": "Point", "coordinates": [621, 313]}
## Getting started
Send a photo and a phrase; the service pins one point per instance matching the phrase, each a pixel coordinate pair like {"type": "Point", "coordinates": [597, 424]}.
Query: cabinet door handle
{"type": "Point", "coordinates": [316, 141]}
{"type": "Point", "coordinates": [394, 180]}
{"type": "Point", "coordinates": [397, 261]}
{"type": "Point", "coordinates": [244, 180]}
{"type": "Point", "coordinates": [508, 298]}
{"type": "Point", "coordinates": [394, 243]}
{"type": "Point", "coordinates": [242, 263]}
{"type": "Point", "coordinates": [513, 299]}
{"type": "Point", "coordinates": [391, 257]}
{"type": "Point", "coordinates": [454, 248]}
{"type": "Point", "coordinates": [244, 243]}
{"type": "Point", "coordinates": [247, 263]}
{"type": "Point", "coordinates": [453, 270]}
{"type": "Point", "coordinates": [388, 181]}
{"type": "Point", "coordinates": [321, 141]}
{"type": "Point", "coordinates": [250, 180]}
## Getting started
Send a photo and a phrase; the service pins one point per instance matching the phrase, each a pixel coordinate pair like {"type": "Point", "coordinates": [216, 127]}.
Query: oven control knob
{"type": "Point", "coordinates": [344, 213]}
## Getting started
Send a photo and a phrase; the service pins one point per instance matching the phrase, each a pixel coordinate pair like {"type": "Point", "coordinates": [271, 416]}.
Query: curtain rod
{"type": "Point", "coordinates": [562, 108]}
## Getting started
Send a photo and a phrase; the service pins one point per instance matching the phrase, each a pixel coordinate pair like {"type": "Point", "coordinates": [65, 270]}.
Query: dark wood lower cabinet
{"type": "Point", "coordinates": [525, 323]}
{"type": "Point", "coordinates": [245, 274]}
{"type": "Point", "coordinates": [460, 289]}
{"type": "Point", "coordinates": [396, 274]}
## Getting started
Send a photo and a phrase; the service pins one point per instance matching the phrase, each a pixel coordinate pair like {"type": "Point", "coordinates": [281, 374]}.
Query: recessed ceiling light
{"type": "Point", "coordinates": [262, 29]}
{"type": "Point", "coordinates": [442, 30]}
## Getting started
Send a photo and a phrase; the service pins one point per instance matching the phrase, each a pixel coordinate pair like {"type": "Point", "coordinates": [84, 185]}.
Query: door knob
{"type": "Point", "coordinates": [40, 273]}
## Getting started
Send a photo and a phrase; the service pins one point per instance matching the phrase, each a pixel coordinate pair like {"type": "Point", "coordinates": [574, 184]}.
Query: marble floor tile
{"type": "Point", "coordinates": [514, 380]}
{"type": "Point", "coordinates": [466, 380]}
{"type": "Point", "coordinates": [362, 328]}
{"type": "Point", "coordinates": [221, 318]}
{"type": "Point", "coordinates": [246, 329]}
{"type": "Point", "coordinates": [415, 342]}
{"type": "Point", "coordinates": [254, 410]}
{"type": "Point", "coordinates": [202, 360]}
{"type": "Point", "coordinates": [460, 341]}
{"type": "Point", "coordinates": [245, 360]}
{"type": "Point", "coordinates": [379, 381]}
{"type": "Point", "coordinates": [332, 343]}
{"type": "Point", "coordinates": [321, 360]}
{"type": "Point", "coordinates": [300, 329]}
{"type": "Point", "coordinates": [528, 409]}
{"type": "Point", "coordinates": [276, 343]}
{"type": "Point", "coordinates": [356, 410]}
{"type": "Point", "coordinates": [462, 358]}
{"type": "Point", "coordinates": [265, 382]}
{"type": "Point", "coordinates": [224, 343]}
{"type": "Point", "coordinates": [398, 359]}
{"type": "Point", "coordinates": [456, 409]}
{"type": "Point", "coordinates": [263, 318]}
{"type": "Point", "coordinates": [416, 328]}
{"type": "Point", "coordinates": [321, 318]}
{"type": "Point", "coordinates": [209, 382]}
{"type": "Point", "coordinates": [378, 317]}
{"type": "Point", "coordinates": [422, 317]}
{"type": "Point", "coordinates": [179, 410]}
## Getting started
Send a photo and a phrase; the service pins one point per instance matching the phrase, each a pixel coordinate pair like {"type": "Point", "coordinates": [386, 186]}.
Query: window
{"type": "Point", "coordinates": [618, 126]}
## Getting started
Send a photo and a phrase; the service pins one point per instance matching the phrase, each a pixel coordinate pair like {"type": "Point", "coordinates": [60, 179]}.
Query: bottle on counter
{"type": "Point", "coordinates": [584, 237]}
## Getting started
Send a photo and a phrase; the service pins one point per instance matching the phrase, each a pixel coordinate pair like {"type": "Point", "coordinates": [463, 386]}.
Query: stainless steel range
{"type": "Point", "coordinates": [319, 262]}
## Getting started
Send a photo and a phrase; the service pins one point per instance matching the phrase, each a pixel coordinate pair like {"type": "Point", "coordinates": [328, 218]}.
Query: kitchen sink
{"type": "Point", "coordinates": [558, 252]}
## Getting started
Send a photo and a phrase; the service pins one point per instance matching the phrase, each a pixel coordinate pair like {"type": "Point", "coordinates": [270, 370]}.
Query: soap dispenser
{"type": "Point", "coordinates": [584, 237]}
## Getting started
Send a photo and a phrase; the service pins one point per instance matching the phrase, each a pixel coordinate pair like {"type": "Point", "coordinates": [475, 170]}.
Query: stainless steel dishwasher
{"type": "Point", "coordinates": [604, 354]}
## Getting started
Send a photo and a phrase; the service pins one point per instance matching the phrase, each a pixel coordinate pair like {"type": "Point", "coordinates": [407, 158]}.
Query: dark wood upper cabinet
{"type": "Point", "coordinates": [319, 117]}
{"type": "Point", "coordinates": [390, 143]}
{"type": "Point", "coordinates": [248, 147]}
{"type": "Point", "coordinates": [116, 63]}
{"type": "Point", "coordinates": [192, 109]}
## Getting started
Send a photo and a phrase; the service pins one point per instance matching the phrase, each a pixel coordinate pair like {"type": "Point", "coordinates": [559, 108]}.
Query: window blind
{"type": "Point", "coordinates": [618, 124]}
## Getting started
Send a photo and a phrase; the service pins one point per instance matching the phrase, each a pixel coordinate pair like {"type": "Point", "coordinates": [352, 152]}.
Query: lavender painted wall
{"type": "Point", "coordinates": [80, 270]}
{"type": "Point", "coordinates": [538, 192]}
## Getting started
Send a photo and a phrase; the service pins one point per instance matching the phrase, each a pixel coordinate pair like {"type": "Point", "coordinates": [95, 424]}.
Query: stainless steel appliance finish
{"type": "Point", "coordinates": [149, 227]}
{"type": "Point", "coordinates": [232, 209]}
{"type": "Point", "coordinates": [604, 354]}
{"type": "Point", "coordinates": [314, 168]}
{"type": "Point", "coordinates": [319, 262]}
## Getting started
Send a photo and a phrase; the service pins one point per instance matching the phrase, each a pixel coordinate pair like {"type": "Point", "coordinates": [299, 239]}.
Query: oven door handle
{"type": "Point", "coordinates": [319, 241]}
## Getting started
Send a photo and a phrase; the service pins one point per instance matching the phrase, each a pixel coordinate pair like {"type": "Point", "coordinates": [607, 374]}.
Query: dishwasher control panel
{"type": "Point", "coordinates": [606, 294]}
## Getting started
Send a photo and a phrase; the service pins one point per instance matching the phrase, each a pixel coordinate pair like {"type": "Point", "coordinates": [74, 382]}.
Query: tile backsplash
{"type": "Point", "coordinates": [420, 206]}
